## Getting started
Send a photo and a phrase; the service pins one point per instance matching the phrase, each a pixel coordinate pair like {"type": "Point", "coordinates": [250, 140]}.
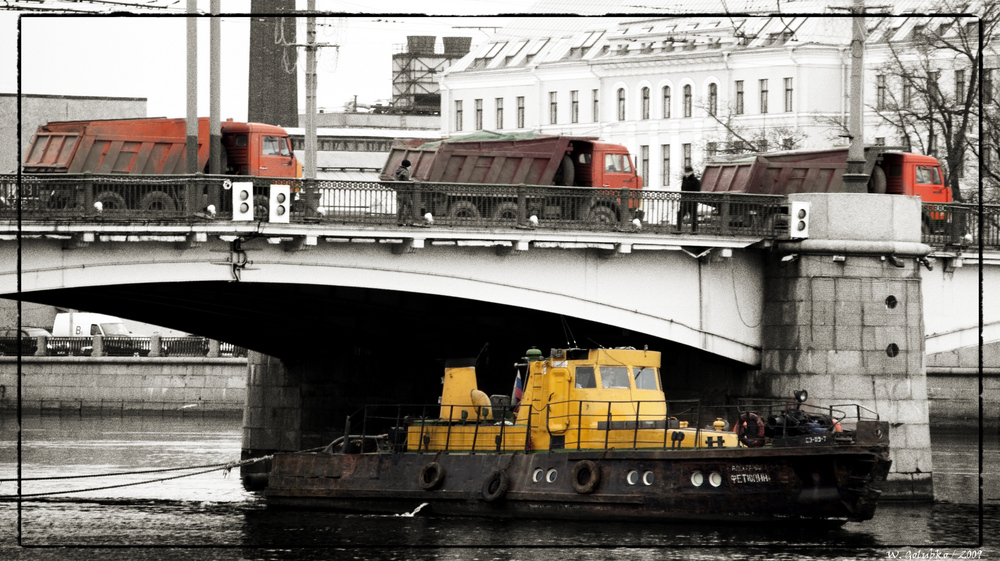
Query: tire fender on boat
{"type": "Point", "coordinates": [431, 476]}
{"type": "Point", "coordinates": [495, 486]}
{"type": "Point", "coordinates": [586, 477]}
{"type": "Point", "coordinates": [745, 431]}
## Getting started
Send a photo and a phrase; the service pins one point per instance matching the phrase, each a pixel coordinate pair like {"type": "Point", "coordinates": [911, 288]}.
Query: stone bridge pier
{"type": "Point", "coordinates": [843, 319]}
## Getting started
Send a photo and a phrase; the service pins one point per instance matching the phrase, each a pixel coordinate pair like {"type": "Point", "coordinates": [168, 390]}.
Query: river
{"type": "Point", "coordinates": [210, 516]}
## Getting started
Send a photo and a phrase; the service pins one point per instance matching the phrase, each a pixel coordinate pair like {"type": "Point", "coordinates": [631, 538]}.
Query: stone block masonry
{"type": "Point", "coordinates": [843, 320]}
{"type": "Point", "coordinates": [125, 384]}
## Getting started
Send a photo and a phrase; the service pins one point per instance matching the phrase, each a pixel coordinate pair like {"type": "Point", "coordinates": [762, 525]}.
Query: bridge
{"type": "Point", "coordinates": [740, 307]}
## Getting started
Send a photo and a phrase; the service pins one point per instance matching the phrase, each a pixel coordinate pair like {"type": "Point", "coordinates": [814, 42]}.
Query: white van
{"type": "Point", "coordinates": [87, 324]}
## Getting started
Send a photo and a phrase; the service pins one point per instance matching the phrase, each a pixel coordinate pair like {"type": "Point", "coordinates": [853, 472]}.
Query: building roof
{"type": "Point", "coordinates": [625, 28]}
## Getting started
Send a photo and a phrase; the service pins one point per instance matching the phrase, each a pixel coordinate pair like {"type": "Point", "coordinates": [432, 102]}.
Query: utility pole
{"type": "Point", "coordinates": [191, 134]}
{"type": "Point", "coordinates": [214, 126]}
{"type": "Point", "coordinates": [855, 180]}
{"type": "Point", "coordinates": [310, 169]}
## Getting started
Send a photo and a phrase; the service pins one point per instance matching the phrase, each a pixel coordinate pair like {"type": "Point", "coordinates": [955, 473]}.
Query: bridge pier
{"type": "Point", "coordinates": [843, 319]}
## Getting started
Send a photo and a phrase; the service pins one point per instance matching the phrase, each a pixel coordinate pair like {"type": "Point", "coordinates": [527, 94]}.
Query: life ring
{"type": "Point", "coordinates": [743, 430]}
{"type": "Point", "coordinates": [586, 477]}
{"type": "Point", "coordinates": [431, 476]}
{"type": "Point", "coordinates": [495, 486]}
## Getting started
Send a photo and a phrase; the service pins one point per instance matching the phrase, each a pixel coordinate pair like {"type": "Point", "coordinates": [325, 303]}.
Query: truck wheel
{"type": "Point", "coordinates": [566, 174]}
{"type": "Point", "coordinates": [463, 210]}
{"type": "Point", "coordinates": [157, 201]}
{"type": "Point", "coordinates": [877, 182]}
{"type": "Point", "coordinates": [110, 201]}
{"type": "Point", "coordinates": [505, 211]}
{"type": "Point", "coordinates": [602, 214]}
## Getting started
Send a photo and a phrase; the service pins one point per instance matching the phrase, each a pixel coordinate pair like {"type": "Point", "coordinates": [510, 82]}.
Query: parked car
{"type": "Point", "coordinates": [29, 336]}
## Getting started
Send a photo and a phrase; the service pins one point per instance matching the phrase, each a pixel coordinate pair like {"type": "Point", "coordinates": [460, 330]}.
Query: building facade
{"type": "Point", "coordinates": [676, 91]}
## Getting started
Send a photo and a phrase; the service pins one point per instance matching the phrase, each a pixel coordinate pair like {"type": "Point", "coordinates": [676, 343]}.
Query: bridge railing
{"type": "Point", "coordinates": [374, 203]}
{"type": "Point", "coordinates": [957, 225]}
{"type": "Point", "coordinates": [118, 346]}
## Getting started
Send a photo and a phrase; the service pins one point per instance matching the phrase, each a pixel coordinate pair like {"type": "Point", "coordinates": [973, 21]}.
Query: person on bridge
{"type": "Point", "coordinates": [404, 195]}
{"type": "Point", "coordinates": [690, 183]}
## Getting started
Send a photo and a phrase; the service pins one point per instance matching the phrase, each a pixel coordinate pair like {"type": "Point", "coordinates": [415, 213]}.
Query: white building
{"type": "Point", "coordinates": [674, 90]}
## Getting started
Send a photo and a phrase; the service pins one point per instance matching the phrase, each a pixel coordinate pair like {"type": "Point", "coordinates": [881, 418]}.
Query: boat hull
{"type": "Point", "coordinates": [833, 483]}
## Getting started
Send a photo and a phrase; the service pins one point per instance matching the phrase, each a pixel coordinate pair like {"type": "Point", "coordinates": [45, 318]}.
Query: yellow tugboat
{"type": "Point", "coordinates": [588, 434]}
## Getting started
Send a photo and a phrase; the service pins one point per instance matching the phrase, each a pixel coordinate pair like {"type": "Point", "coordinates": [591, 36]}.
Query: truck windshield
{"type": "Point", "coordinates": [928, 175]}
{"type": "Point", "coordinates": [114, 329]}
{"type": "Point", "coordinates": [617, 163]}
{"type": "Point", "coordinates": [275, 146]}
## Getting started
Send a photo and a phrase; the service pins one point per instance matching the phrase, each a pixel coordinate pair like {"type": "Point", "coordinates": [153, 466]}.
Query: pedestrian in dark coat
{"type": "Point", "coordinates": [689, 184]}
{"type": "Point", "coordinates": [404, 195]}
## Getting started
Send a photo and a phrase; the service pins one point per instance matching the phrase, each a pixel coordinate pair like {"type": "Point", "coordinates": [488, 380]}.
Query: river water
{"type": "Point", "coordinates": [210, 516]}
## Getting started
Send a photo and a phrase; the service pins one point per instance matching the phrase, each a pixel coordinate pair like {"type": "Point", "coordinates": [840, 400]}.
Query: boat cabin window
{"type": "Point", "coordinates": [614, 377]}
{"type": "Point", "coordinates": [585, 377]}
{"type": "Point", "coordinates": [646, 377]}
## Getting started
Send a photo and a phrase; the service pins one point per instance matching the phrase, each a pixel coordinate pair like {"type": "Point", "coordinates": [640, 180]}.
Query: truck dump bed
{"type": "Point", "coordinates": [816, 171]}
{"type": "Point", "coordinates": [504, 159]}
{"type": "Point", "coordinates": [127, 146]}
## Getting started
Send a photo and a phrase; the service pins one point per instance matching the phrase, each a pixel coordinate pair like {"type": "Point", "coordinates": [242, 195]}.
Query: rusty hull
{"type": "Point", "coordinates": [812, 483]}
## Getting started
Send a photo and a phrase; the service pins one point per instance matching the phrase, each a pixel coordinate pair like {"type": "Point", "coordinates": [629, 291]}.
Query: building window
{"type": "Point", "coordinates": [763, 95]}
{"type": "Point", "coordinates": [479, 114]}
{"type": "Point", "coordinates": [644, 161]}
{"type": "Point", "coordinates": [621, 104]}
{"type": "Point", "coordinates": [713, 99]}
{"type": "Point", "coordinates": [739, 97]}
{"type": "Point", "coordinates": [666, 102]}
{"type": "Point", "coordinates": [596, 107]}
{"type": "Point", "coordinates": [787, 143]}
{"type": "Point", "coordinates": [788, 95]}
{"type": "Point", "coordinates": [932, 82]}
{"type": "Point", "coordinates": [907, 95]}
{"type": "Point", "coordinates": [880, 91]}
{"type": "Point", "coordinates": [553, 109]}
{"type": "Point", "coordinates": [520, 111]}
{"type": "Point", "coordinates": [687, 155]}
{"type": "Point", "coordinates": [987, 85]}
{"type": "Point", "coordinates": [762, 145]}
{"type": "Point", "coordinates": [879, 141]}
{"type": "Point", "coordinates": [687, 101]}
{"type": "Point", "coordinates": [711, 149]}
{"type": "Point", "coordinates": [665, 167]}
{"type": "Point", "coordinates": [499, 113]}
{"type": "Point", "coordinates": [458, 115]}
{"type": "Point", "coordinates": [959, 85]}
{"type": "Point", "coordinates": [574, 106]}
{"type": "Point", "coordinates": [645, 103]}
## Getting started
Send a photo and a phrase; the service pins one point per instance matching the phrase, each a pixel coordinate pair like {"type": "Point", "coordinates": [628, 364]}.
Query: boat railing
{"type": "Point", "coordinates": [578, 424]}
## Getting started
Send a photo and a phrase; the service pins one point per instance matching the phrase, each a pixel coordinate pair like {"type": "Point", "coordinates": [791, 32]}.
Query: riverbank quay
{"type": "Point", "coordinates": [125, 385]}
{"type": "Point", "coordinates": [118, 385]}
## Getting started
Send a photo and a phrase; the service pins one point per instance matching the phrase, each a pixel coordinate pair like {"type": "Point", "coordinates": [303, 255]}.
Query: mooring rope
{"type": "Point", "coordinates": [227, 467]}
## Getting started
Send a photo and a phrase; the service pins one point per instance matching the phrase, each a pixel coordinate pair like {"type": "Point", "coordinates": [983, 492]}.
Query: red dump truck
{"type": "Point", "coordinates": [821, 171]}
{"type": "Point", "coordinates": [482, 171]}
{"type": "Point", "coordinates": [143, 147]}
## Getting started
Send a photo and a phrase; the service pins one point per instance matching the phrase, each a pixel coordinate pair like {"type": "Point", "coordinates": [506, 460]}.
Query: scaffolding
{"type": "Point", "coordinates": [415, 71]}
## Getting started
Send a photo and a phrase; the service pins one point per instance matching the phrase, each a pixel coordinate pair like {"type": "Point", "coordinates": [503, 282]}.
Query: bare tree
{"type": "Point", "coordinates": [738, 139]}
{"type": "Point", "coordinates": [929, 116]}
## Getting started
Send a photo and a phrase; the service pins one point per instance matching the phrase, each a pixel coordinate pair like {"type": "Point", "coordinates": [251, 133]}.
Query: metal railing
{"type": "Point", "coordinates": [622, 425]}
{"type": "Point", "coordinates": [117, 346]}
{"type": "Point", "coordinates": [957, 225]}
{"type": "Point", "coordinates": [192, 198]}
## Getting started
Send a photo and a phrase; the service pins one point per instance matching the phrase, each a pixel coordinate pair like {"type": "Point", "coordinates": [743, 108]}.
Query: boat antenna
{"type": "Point", "coordinates": [567, 332]}
{"type": "Point", "coordinates": [482, 351]}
